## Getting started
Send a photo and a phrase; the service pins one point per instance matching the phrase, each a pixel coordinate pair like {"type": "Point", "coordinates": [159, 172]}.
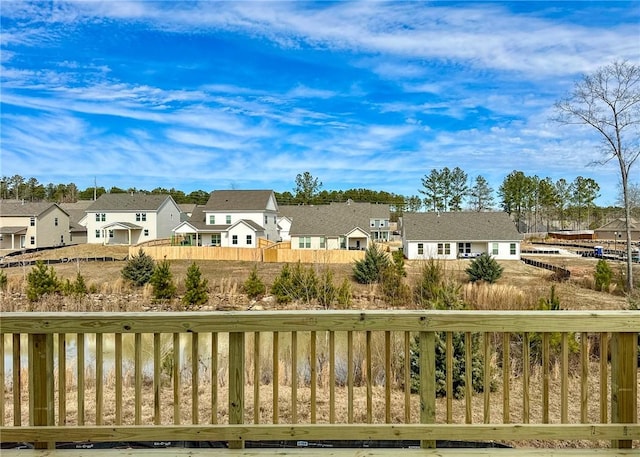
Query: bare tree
{"type": "Point", "coordinates": [609, 101]}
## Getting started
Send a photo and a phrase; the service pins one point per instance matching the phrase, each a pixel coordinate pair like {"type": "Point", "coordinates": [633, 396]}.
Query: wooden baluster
{"type": "Point", "coordinates": [236, 383]}
{"type": "Point", "coordinates": [427, 365]}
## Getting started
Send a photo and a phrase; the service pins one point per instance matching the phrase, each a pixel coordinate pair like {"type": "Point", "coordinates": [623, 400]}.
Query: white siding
{"type": "Point", "coordinates": [430, 250]}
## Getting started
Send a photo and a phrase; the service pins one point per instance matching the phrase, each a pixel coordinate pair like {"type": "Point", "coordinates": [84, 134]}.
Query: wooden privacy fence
{"type": "Point", "coordinates": [319, 375]}
{"type": "Point", "coordinates": [270, 254]}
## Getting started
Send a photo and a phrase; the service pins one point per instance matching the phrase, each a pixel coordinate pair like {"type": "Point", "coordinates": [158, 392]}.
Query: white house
{"type": "Point", "coordinates": [232, 218]}
{"type": "Point", "coordinates": [131, 218]}
{"type": "Point", "coordinates": [30, 225]}
{"type": "Point", "coordinates": [454, 235]}
{"type": "Point", "coordinates": [346, 225]}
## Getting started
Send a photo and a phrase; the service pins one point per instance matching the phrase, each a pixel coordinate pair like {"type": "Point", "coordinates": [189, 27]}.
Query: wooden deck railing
{"type": "Point", "coordinates": [319, 375]}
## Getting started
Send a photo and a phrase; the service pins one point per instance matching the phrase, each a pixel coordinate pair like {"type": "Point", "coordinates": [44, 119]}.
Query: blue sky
{"type": "Point", "coordinates": [246, 95]}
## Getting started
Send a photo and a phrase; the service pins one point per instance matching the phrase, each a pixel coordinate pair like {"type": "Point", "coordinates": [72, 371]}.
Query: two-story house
{"type": "Point", "coordinates": [232, 218]}
{"type": "Point", "coordinates": [346, 225]}
{"type": "Point", "coordinates": [131, 218]}
{"type": "Point", "coordinates": [30, 225]}
{"type": "Point", "coordinates": [452, 235]}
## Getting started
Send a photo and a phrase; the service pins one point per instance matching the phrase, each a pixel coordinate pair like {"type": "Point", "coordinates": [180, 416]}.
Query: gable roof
{"type": "Point", "coordinates": [336, 219]}
{"type": "Point", "coordinates": [239, 200]}
{"type": "Point", "coordinates": [459, 226]}
{"type": "Point", "coordinates": [18, 208]}
{"type": "Point", "coordinates": [128, 202]}
{"type": "Point", "coordinates": [619, 225]}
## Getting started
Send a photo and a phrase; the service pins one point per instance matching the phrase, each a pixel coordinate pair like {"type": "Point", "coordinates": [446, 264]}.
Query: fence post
{"type": "Point", "coordinates": [427, 342]}
{"type": "Point", "coordinates": [41, 383]}
{"type": "Point", "coordinates": [624, 390]}
{"type": "Point", "coordinates": [236, 383]}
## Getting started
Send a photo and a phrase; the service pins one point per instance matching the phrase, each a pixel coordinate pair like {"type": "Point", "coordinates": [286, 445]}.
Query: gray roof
{"type": "Point", "coordinates": [13, 230]}
{"type": "Point", "coordinates": [76, 210]}
{"type": "Point", "coordinates": [238, 200]}
{"type": "Point", "coordinates": [198, 220]}
{"type": "Point", "coordinates": [336, 219]}
{"type": "Point", "coordinates": [18, 208]}
{"type": "Point", "coordinates": [619, 225]}
{"type": "Point", "coordinates": [128, 202]}
{"type": "Point", "coordinates": [459, 226]}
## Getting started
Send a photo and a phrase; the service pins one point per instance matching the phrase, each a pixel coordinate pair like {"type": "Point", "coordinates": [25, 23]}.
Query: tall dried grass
{"type": "Point", "coordinates": [485, 296]}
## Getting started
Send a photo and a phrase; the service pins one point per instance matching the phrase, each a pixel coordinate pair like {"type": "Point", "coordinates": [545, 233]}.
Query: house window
{"type": "Point", "coordinates": [141, 217]}
{"type": "Point", "coordinates": [110, 233]}
{"type": "Point", "coordinates": [33, 240]}
{"type": "Point", "coordinates": [420, 248]}
{"type": "Point", "coordinates": [373, 223]}
{"type": "Point", "coordinates": [215, 239]}
{"type": "Point", "coordinates": [464, 248]}
{"type": "Point", "coordinates": [266, 220]}
{"type": "Point", "coordinates": [97, 217]}
{"type": "Point", "coordinates": [55, 221]}
{"type": "Point", "coordinates": [97, 233]}
{"type": "Point", "coordinates": [32, 221]}
{"type": "Point", "coordinates": [323, 242]}
{"type": "Point", "coordinates": [137, 217]}
{"type": "Point", "coordinates": [144, 217]}
{"type": "Point", "coordinates": [512, 248]}
{"type": "Point", "coordinates": [212, 219]}
{"type": "Point", "coordinates": [249, 240]}
{"type": "Point", "coordinates": [146, 232]}
{"type": "Point", "coordinates": [343, 242]}
{"type": "Point", "coordinates": [103, 217]}
{"type": "Point", "coordinates": [494, 250]}
{"type": "Point", "coordinates": [444, 248]}
{"type": "Point", "coordinates": [234, 239]}
{"type": "Point", "coordinates": [304, 242]}
{"type": "Point", "coordinates": [228, 219]}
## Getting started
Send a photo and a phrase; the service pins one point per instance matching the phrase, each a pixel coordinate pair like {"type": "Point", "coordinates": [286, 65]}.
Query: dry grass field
{"type": "Point", "coordinates": [520, 287]}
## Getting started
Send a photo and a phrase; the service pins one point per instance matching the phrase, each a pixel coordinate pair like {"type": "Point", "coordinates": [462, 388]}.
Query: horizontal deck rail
{"type": "Point", "coordinates": [320, 375]}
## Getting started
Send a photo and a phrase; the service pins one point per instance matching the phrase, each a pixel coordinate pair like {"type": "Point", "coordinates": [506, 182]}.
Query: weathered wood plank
{"type": "Point", "coordinates": [270, 432]}
{"type": "Point", "coordinates": [345, 320]}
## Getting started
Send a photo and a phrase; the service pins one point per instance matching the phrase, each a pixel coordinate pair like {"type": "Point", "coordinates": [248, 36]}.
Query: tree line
{"type": "Point", "coordinates": [536, 204]}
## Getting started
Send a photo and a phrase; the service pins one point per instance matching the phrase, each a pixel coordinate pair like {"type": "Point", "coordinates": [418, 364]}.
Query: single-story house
{"type": "Point", "coordinates": [452, 235]}
{"type": "Point", "coordinates": [617, 230]}
{"type": "Point", "coordinates": [345, 225]}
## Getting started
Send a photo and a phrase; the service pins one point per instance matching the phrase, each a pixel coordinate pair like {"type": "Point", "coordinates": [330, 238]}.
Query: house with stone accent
{"type": "Point", "coordinates": [454, 235]}
{"type": "Point", "coordinates": [231, 218]}
{"type": "Point", "coordinates": [131, 218]}
{"type": "Point", "coordinates": [31, 225]}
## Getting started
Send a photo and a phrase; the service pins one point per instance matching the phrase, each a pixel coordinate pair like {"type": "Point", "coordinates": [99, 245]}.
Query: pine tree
{"type": "Point", "coordinates": [484, 268]}
{"type": "Point", "coordinates": [41, 281]}
{"type": "Point", "coordinates": [603, 275]}
{"type": "Point", "coordinates": [139, 268]}
{"type": "Point", "coordinates": [196, 287]}
{"type": "Point", "coordinates": [79, 286]}
{"type": "Point", "coordinates": [369, 270]}
{"type": "Point", "coordinates": [162, 281]}
{"type": "Point", "coordinates": [253, 286]}
{"type": "Point", "coordinates": [282, 286]}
